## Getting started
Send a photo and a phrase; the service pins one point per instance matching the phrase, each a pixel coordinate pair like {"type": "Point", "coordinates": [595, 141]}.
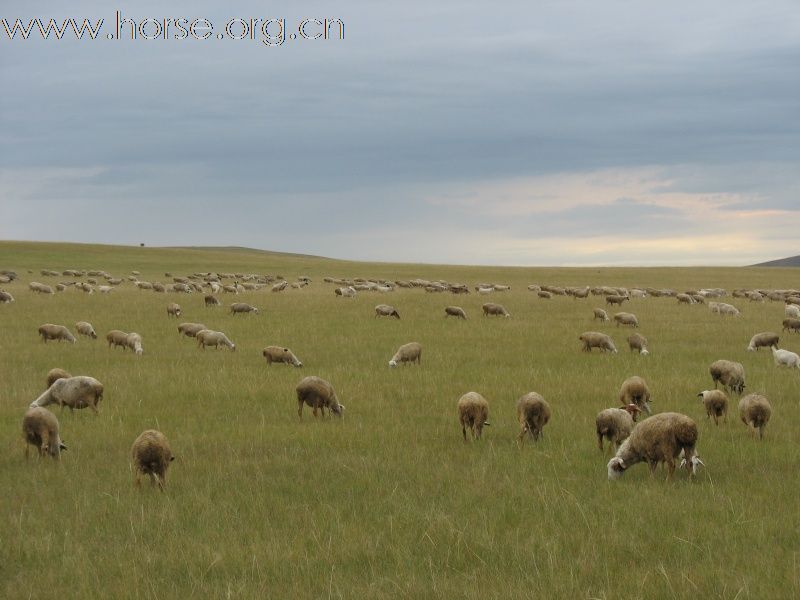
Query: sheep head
{"type": "Point", "coordinates": [616, 467]}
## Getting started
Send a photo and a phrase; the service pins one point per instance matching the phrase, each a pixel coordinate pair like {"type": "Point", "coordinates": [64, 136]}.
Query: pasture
{"type": "Point", "coordinates": [388, 502]}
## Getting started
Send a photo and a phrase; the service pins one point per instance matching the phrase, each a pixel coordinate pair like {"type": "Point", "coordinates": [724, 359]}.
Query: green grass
{"type": "Point", "coordinates": [389, 502]}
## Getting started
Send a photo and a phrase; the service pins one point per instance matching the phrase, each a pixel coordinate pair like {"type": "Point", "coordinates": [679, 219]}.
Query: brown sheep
{"type": "Point", "coordinates": [319, 395]}
{"type": "Point", "coordinates": [634, 390]}
{"type": "Point", "coordinates": [473, 412]}
{"type": "Point", "coordinates": [115, 338]}
{"type": "Point", "coordinates": [173, 310]}
{"type": "Point", "coordinates": [533, 413]}
{"type": "Point", "coordinates": [454, 311]}
{"type": "Point", "coordinates": [594, 339]}
{"type": "Point", "coordinates": [40, 428]}
{"type": "Point", "coordinates": [384, 310]}
{"type": "Point", "coordinates": [491, 309]}
{"type": "Point", "coordinates": [48, 331]}
{"type": "Point", "coordinates": [715, 403]}
{"type": "Point", "coordinates": [151, 455]}
{"type": "Point", "coordinates": [615, 424]}
{"type": "Point", "coordinates": [55, 374]}
{"type": "Point", "coordinates": [755, 411]}
{"type": "Point", "coordinates": [280, 355]}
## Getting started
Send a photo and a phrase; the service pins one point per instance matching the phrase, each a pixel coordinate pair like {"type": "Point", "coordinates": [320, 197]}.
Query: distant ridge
{"type": "Point", "coordinates": [245, 249]}
{"type": "Point", "coordinates": [792, 261]}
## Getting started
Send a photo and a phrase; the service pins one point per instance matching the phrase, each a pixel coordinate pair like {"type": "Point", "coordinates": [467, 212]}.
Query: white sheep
{"type": "Point", "coordinates": [792, 310]}
{"type": "Point", "coordinates": [600, 314]}
{"type": "Point", "coordinates": [78, 392]}
{"type": "Point", "coordinates": [594, 339]}
{"type": "Point", "coordinates": [6, 297]}
{"type": "Point", "coordinates": [40, 428]}
{"type": "Point", "coordinates": [134, 342]}
{"type": "Point", "coordinates": [206, 337]}
{"type": "Point", "coordinates": [85, 328]}
{"type": "Point", "coordinates": [638, 342]}
{"type": "Point", "coordinates": [473, 414]}
{"type": "Point", "coordinates": [785, 358]}
{"type": "Point", "coordinates": [615, 424]}
{"type": "Point", "coordinates": [626, 318]}
{"type": "Point", "coordinates": [407, 353]}
{"type": "Point", "coordinates": [730, 374]}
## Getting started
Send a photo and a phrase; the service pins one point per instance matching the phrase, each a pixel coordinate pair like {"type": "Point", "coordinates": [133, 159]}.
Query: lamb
{"type": "Point", "coordinates": [763, 340]}
{"type": "Point", "coordinates": [785, 358]}
{"type": "Point", "coordinates": [473, 414]}
{"type": "Point", "coordinates": [615, 299]}
{"type": "Point", "coordinates": [191, 329]}
{"type": "Point", "coordinates": [384, 310]}
{"type": "Point", "coordinates": [494, 309]}
{"type": "Point", "coordinates": [40, 428]}
{"type": "Point", "coordinates": [134, 342]}
{"type": "Point", "coordinates": [455, 311]}
{"type": "Point", "coordinates": [716, 404]}
{"type": "Point", "coordinates": [115, 338]}
{"type": "Point", "coordinates": [407, 353]}
{"type": "Point", "coordinates": [85, 328]}
{"type": "Point", "coordinates": [319, 395]}
{"type": "Point", "coordinates": [533, 413]}
{"type": "Point", "coordinates": [280, 355]}
{"type": "Point", "coordinates": [206, 337]}
{"type": "Point", "coordinates": [211, 300]}
{"type": "Point", "coordinates": [755, 411]}
{"type": "Point", "coordinates": [151, 455]}
{"type": "Point", "coordinates": [173, 310]}
{"type": "Point", "coordinates": [75, 392]}
{"type": "Point", "coordinates": [792, 310]}
{"type": "Point", "coordinates": [5, 297]}
{"type": "Point", "coordinates": [615, 424]}
{"type": "Point", "coordinates": [594, 339]}
{"type": "Point", "coordinates": [625, 318]}
{"type": "Point", "coordinates": [638, 342]}
{"type": "Point", "coordinates": [600, 314]}
{"type": "Point", "coordinates": [242, 308]}
{"type": "Point", "coordinates": [48, 331]}
{"type": "Point", "coordinates": [730, 374]}
{"type": "Point", "coordinates": [634, 390]}
{"type": "Point", "coordinates": [659, 439]}
{"type": "Point", "coordinates": [55, 374]}
{"type": "Point", "coordinates": [791, 325]}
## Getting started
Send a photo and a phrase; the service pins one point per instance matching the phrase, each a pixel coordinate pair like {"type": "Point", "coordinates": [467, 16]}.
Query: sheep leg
{"type": "Point", "coordinates": [300, 409]}
{"type": "Point", "coordinates": [670, 468]}
{"type": "Point", "coordinates": [138, 480]}
{"type": "Point", "coordinates": [464, 430]}
{"type": "Point", "coordinates": [27, 450]}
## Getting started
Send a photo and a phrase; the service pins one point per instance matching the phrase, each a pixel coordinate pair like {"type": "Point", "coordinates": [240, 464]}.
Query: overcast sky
{"type": "Point", "coordinates": [587, 132]}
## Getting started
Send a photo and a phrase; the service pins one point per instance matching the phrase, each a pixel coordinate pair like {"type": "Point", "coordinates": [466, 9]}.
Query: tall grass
{"type": "Point", "coordinates": [389, 502]}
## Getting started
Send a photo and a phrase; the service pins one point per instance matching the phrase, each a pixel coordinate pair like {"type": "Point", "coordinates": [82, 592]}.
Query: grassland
{"type": "Point", "coordinates": [388, 502]}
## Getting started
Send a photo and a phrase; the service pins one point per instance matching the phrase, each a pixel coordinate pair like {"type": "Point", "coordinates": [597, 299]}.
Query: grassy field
{"type": "Point", "coordinates": [388, 502]}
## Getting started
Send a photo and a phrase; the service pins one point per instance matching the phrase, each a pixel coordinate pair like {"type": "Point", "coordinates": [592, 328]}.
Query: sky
{"type": "Point", "coordinates": [563, 132]}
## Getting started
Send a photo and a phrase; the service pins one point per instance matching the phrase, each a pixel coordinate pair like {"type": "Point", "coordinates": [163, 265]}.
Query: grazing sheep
{"type": "Point", "coordinates": [615, 424]}
{"type": "Point", "coordinates": [730, 374]}
{"type": "Point", "coordinates": [191, 329]}
{"type": "Point", "coordinates": [484, 290]}
{"type": "Point", "coordinates": [206, 337]}
{"type": "Point", "coordinates": [5, 297]}
{"type": "Point", "coordinates": [280, 355]}
{"type": "Point", "coordinates": [638, 342]}
{"type": "Point", "coordinates": [634, 390]}
{"type": "Point", "coordinates": [455, 311]}
{"type": "Point", "coordinates": [685, 299]}
{"type": "Point", "coordinates": [600, 314]}
{"type": "Point", "coordinates": [411, 352]}
{"type": "Point", "coordinates": [763, 340]}
{"type": "Point", "coordinates": [242, 308]}
{"type": "Point", "coordinates": [716, 404]}
{"type": "Point", "coordinates": [533, 413]}
{"type": "Point", "coordinates": [48, 331]}
{"type": "Point", "coordinates": [494, 309]}
{"type": "Point", "coordinates": [728, 309]}
{"type": "Point", "coordinates": [755, 411]}
{"type": "Point", "coordinates": [792, 310]}
{"type": "Point", "coordinates": [615, 299]}
{"type": "Point", "coordinates": [151, 456]}
{"type": "Point", "coordinates": [279, 287]}
{"type": "Point", "coordinates": [659, 439]}
{"type": "Point", "coordinates": [115, 338]}
{"type": "Point", "coordinates": [625, 318]}
{"type": "Point", "coordinates": [384, 310]}
{"type": "Point", "coordinates": [544, 294]}
{"type": "Point", "coordinates": [40, 288]}
{"type": "Point", "coordinates": [318, 394]}
{"type": "Point", "coordinates": [40, 428]}
{"type": "Point", "coordinates": [75, 392]}
{"type": "Point", "coordinates": [791, 325]}
{"type": "Point", "coordinates": [594, 339]}
{"type": "Point", "coordinates": [105, 289]}
{"type": "Point", "coordinates": [346, 292]}
{"type": "Point", "coordinates": [473, 412]}
{"type": "Point", "coordinates": [134, 342]}
{"type": "Point", "coordinates": [173, 310]}
{"type": "Point", "coordinates": [785, 358]}
{"type": "Point", "coordinates": [211, 300]}
{"type": "Point", "coordinates": [85, 328]}
{"type": "Point", "coordinates": [55, 374]}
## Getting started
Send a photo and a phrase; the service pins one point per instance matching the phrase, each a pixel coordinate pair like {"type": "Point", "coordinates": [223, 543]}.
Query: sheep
{"type": "Point", "coordinates": [40, 428]}
{"type": "Point", "coordinates": [634, 390]}
{"type": "Point", "coordinates": [685, 299]}
{"type": "Point", "coordinates": [785, 358]}
{"type": "Point", "coordinates": [615, 299]}
{"type": "Point", "coordinates": [625, 318]}
{"type": "Point", "coordinates": [728, 309]}
{"type": "Point", "coordinates": [791, 325]}
{"type": "Point", "coordinates": [75, 392]}
{"type": "Point", "coordinates": [544, 294]}
{"type": "Point", "coordinates": [600, 314]}
{"type": "Point", "coordinates": [242, 308]}
{"type": "Point", "coordinates": [659, 439]}
{"type": "Point", "coordinates": [494, 309]}
{"type": "Point", "coordinates": [5, 297]}
{"type": "Point", "coordinates": [173, 310]}
{"type": "Point", "coordinates": [533, 413]}
{"type": "Point", "coordinates": [206, 337]}
{"type": "Point", "coordinates": [48, 331]}
{"type": "Point", "coordinates": [473, 414]}
{"type": "Point", "coordinates": [54, 375]}
{"type": "Point", "coordinates": [211, 300]}
{"type": "Point", "coordinates": [615, 425]}
{"type": "Point", "coordinates": [455, 311]}
{"type": "Point", "coordinates": [755, 411]}
{"type": "Point", "coordinates": [40, 288]}
{"type": "Point", "coordinates": [346, 292]}
{"type": "Point", "coordinates": [280, 355]}
{"type": "Point", "coordinates": [319, 395]}
{"type": "Point", "coordinates": [594, 339]}
{"type": "Point", "coordinates": [384, 310]}
{"type": "Point", "coordinates": [638, 342]}
{"type": "Point", "coordinates": [115, 338]}
{"type": "Point", "coordinates": [485, 290]}
{"type": "Point", "coordinates": [134, 342]}
{"type": "Point", "coordinates": [411, 352]}
{"type": "Point", "coordinates": [792, 310]}
{"type": "Point", "coordinates": [191, 329]}
{"type": "Point", "coordinates": [105, 289]}
{"type": "Point", "coordinates": [763, 340]}
{"type": "Point", "coordinates": [715, 403]}
{"type": "Point", "coordinates": [730, 374]}
{"type": "Point", "coordinates": [85, 328]}
{"type": "Point", "coordinates": [279, 287]}
{"type": "Point", "coordinates": [151, 455]}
